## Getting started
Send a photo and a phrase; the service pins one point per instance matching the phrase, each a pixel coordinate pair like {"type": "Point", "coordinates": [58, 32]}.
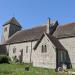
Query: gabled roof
{"type": "Point", "coordinates": [36, 45]}
{"type": "Point", "coordinates": [55, 41]}
{"type": "Point", "coordinates": [27, 35]}
{"type": "Point", "coordinates": [64, 31]}
{"type": "Point", "coordinates": [12, 21]}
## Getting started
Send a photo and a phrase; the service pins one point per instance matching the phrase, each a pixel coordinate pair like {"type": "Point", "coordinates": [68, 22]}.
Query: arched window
{"type": "Point", "coordinates": [21, 55]}
{"type": "Point", "coordinates": [42, 49]}
{"type": "Point", "coordinates": [45, 50]}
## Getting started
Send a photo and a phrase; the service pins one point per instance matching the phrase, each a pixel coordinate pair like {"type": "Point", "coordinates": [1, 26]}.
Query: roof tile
{"type": "Point", "coordinates": [66, 30]}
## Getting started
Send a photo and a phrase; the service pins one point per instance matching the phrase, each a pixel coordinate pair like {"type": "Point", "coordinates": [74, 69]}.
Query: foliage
{"type": "Point", "coordinates": [4, 59]}
{"type": "Point", "coordinates": [19, 69]}
{"type": "Point", "coordinates": [15, 59]}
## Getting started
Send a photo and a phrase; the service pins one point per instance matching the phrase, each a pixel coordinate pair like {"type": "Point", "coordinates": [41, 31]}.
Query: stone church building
{"type": "Point", "coordinates": [48, 46]}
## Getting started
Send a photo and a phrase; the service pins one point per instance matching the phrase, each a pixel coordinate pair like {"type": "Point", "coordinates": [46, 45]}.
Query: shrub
{"type": "Point", "coordinates": [15, 59]}
{"type": "Point", "coordinates": [4, 59]}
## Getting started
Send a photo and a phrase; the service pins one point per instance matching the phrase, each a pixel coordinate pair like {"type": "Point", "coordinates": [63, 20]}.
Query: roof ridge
{"type": "Point", "coordinates": [36, 27]}
{"type": "Point", "coordinates": [66, 24]}
{"type": "Point", "coordinates": [32, 28]}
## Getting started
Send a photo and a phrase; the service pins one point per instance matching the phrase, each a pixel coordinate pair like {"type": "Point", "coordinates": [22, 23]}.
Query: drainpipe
{"type": "Point", "coordinates": [57, 64]}
{"type": "Point", "coordinates": [31, 53]}
{"type": "Point", "coordinates": [8, 50]}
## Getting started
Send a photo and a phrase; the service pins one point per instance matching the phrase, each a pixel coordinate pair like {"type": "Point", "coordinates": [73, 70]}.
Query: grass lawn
{"type": "Point", "coordinates": [19, 69]}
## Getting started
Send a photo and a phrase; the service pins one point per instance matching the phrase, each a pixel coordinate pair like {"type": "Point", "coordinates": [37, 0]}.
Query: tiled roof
{"type": "Point", "coordinates": [66, 30]}
{"type": "Point", "coordinates": [56, 42]}
{"type": "Point", "coordinates": [27, 35]}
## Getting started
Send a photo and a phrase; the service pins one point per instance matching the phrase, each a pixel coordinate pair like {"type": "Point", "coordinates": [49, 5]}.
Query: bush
{"type": "Point", "coordinates": [15, 59]}
{"type": "Point", "coordinates": [4, 59]}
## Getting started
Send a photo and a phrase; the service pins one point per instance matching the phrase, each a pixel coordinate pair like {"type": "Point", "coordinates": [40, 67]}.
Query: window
{"type": "Point", "coordinates": [21, 50]}
{"type": "Point", "coordinates": [21, 55]}
{"type": "Point", "coordinates": [63, 56]}
{"type": "Point", "coordinates": [26, 49]}
{"type": "Point", "coordinates": [14, 50]}
{"type": "Point", "coordinates": [44, 48]}
{"type": "Point", "coordinates": [5, 29]}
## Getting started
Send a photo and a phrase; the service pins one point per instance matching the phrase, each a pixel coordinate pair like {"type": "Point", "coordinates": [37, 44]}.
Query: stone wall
{"type": "Point", "coordinates": [69, 45]}
{"type": "Point", "coordinates": [48, 59]}
{"type": "Point", "coordinates": [6, 32]}
{"type": "Point", "coordinates": [19, 47]}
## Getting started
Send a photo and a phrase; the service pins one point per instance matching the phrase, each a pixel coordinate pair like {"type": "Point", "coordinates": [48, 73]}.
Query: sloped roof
{"type": "Point", "coordinates": [12, 21]}
{"type": "Point", "coordinates": [27, 35]}
{"type": "Point", "coordinates": [66, 30]}
{"type": "Point", "coordinates": [55, 41]}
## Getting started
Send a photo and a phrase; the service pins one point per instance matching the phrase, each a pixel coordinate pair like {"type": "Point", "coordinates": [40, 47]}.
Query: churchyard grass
{"type": "Point", "coordinates": [19, 69]}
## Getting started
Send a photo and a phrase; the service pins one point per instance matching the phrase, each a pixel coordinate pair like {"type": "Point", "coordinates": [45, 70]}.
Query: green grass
{"type": "Point", "coordinates": [19, 69]}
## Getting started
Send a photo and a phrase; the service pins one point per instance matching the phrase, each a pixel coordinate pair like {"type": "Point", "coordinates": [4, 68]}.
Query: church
{"type": "Point", "coordinates": [48, 46]}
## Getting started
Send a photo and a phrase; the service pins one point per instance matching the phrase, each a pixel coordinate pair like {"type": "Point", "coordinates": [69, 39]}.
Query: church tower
{"type": "Point", "coordinates": [10, 27]}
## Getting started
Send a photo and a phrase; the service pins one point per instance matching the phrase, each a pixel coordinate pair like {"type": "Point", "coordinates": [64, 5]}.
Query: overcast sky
{"type": "Point", "coordinates": [31, 13]}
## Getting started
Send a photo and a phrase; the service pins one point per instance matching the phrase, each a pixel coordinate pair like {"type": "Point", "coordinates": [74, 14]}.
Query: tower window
{"type": "Point", "coordinates": [5, 29]}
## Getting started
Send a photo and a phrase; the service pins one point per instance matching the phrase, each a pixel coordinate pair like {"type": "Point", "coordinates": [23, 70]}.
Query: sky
{"type": "Point", "coordinates": [31, 13]}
